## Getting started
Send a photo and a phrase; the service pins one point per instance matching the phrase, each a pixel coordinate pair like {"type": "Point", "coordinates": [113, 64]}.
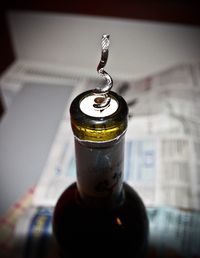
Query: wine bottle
{"type": "Point", "coordinates": [100, 215]}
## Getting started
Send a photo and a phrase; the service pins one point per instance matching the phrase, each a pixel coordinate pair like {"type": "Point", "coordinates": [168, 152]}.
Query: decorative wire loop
{"type": "Point", "coordinates": [103, 100]}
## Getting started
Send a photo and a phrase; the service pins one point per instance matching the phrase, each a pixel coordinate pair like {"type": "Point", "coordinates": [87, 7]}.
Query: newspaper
{"type": "Point", "coordinates": [173, 233]}
{"type": "Point", "coordinates": [162, 141]}
{"type": "Point", "coordinates": [162, 164]}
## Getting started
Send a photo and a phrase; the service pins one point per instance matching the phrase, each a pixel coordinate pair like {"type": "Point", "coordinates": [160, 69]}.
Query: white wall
{"type": "Point", "coordinates": [137, 48]}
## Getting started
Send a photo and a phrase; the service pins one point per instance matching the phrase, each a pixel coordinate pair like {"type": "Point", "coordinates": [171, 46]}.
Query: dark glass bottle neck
{"type": "Point", "coordinates": [99, 146]}
{"type": "Point", "coordinates": [100, 171]}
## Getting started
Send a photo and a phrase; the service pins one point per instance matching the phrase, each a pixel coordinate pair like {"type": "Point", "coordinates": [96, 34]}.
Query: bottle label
{"type": "Point", "coordinates": [100, 168]}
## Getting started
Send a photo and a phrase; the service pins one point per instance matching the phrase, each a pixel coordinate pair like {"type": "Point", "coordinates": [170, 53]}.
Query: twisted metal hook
{"type": "Point", "coordinates": [104, 100]}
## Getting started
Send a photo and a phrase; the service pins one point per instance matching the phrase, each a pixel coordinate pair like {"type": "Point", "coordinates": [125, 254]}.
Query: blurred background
{"type": "Point", "coordinates": [170, 11]}
{"type": "Point", "coordinates": [176, 11]}
{"type": "Point", "coordinates": [49, 53]}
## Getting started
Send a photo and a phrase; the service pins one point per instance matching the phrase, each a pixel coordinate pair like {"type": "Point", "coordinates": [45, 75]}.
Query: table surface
{"type": "Point", "coordinates": [26, 133]}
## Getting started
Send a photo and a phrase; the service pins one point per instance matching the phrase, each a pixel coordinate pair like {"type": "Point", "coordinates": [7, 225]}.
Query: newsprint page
{"type": "Point", "coordinates": [162, 159]}
{"type": "Point", "coordinates": [162, 141]}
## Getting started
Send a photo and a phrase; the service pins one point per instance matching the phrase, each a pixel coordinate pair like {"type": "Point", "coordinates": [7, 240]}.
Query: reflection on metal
{"type": "Point", "coordinates": [103, 100]}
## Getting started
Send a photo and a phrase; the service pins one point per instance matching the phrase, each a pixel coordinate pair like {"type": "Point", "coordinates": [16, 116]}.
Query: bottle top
{"type": "Point", "coordinates": [90, 123]}
{"type": "Point", "coordinates": [99, 115]}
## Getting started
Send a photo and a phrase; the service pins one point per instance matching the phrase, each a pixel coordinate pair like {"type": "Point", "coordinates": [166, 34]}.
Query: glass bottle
{"type": "Point", "coordinates": [100, 215]}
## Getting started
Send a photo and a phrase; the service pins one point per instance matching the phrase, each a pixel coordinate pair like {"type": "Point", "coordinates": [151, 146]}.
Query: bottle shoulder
{"type": "Point", "coordinates": [130, 210]}
{"type": "Point", "coordinates": [120, 231]}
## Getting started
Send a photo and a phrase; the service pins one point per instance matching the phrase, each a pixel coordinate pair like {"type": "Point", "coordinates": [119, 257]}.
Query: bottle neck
{"type": "Point", "coordinates": [100, 171]}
